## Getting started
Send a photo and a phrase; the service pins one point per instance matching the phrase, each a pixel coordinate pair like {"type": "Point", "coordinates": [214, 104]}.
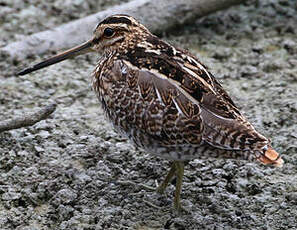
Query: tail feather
{"type": "Point", "coordinates": [270, 156]}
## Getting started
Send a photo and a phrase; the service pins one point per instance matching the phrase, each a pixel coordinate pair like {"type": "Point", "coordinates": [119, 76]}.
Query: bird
{"type": "Point", "coordinates": [165, 100]}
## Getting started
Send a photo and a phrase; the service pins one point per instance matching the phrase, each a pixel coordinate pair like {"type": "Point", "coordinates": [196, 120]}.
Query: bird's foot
{"type": "Point", "coordinates": [131, 183]}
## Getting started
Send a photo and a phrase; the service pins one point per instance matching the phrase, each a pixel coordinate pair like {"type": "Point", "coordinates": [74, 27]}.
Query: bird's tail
{"type": "Point", "coordinates": [270, 157]}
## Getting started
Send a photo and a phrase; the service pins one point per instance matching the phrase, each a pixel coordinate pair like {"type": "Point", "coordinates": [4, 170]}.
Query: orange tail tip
{"type": "Point", "coordinates": [270, 156]}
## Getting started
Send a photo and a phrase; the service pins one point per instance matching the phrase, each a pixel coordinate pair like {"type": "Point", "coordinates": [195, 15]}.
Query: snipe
{"type": "Point", "coordinates": [165, 100]}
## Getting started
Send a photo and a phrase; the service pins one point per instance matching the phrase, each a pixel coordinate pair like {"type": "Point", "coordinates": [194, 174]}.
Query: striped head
{"type": "Point", "coordinates": [117, 31]}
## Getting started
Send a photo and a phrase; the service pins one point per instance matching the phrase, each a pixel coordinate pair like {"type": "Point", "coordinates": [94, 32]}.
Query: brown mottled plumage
{"type": "Point", "coordinates": [165, 100]}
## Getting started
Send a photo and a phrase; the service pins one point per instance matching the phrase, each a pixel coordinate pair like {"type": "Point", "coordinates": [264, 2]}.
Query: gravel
{"type": "Point", "coordinates": [72, 171]}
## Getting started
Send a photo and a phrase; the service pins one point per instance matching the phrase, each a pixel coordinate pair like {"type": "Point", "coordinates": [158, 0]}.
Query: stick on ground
{"type": "Point", "coordinates": [27, 119]}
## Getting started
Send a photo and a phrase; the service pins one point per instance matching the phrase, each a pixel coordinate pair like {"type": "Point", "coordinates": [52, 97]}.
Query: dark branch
{"type": "Point", "coordinates": [27, 119]}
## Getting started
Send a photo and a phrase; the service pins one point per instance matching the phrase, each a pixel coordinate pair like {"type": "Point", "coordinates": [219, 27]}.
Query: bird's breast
{"type": "Point", "coordinates": [119, 96]}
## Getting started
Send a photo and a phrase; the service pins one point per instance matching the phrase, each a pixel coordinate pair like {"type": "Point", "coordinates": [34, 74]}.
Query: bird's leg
{"type": "Point", "coordinates": [179, 167]}
{"type": "Point", "coordinates": [161, 188]}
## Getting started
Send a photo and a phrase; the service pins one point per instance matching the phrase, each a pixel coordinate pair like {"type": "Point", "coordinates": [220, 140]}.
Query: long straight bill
{"type": "Point", "coordinates": [81, 49]}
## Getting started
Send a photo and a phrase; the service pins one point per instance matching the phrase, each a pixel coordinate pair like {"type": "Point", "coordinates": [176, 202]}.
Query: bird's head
{"type": "Point", "coordinates": [115, 33]}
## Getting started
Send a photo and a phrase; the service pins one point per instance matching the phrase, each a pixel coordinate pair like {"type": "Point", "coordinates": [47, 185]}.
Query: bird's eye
{"type": "Point", "coordinates": [108, 32]}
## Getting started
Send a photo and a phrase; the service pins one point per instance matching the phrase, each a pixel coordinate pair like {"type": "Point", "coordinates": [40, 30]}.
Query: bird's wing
{"type": "Point", "coordinates": [180, 80]}
{"type": "Point", "coordinates": [225, 126]}
{"type": "Point", "coordinates": [152, 106]}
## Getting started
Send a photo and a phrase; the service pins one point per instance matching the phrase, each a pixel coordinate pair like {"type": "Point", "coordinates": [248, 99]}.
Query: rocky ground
{"type": "Point", "coordinates": [72, 171]}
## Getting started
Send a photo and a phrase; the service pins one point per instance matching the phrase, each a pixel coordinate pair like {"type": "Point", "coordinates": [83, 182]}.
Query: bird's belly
{"type": "Point", "coordinates": [158, 148]}
{"type": "Point", "coordinates": [141, 139]}
{"type": "Point", "coordinates": [129, 116]}
{"type": "Point", "coordinates": [176, 153]}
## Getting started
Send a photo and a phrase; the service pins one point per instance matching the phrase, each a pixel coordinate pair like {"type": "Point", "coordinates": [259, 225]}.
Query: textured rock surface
{"type": "Point", "coordinates": [64, 172]}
